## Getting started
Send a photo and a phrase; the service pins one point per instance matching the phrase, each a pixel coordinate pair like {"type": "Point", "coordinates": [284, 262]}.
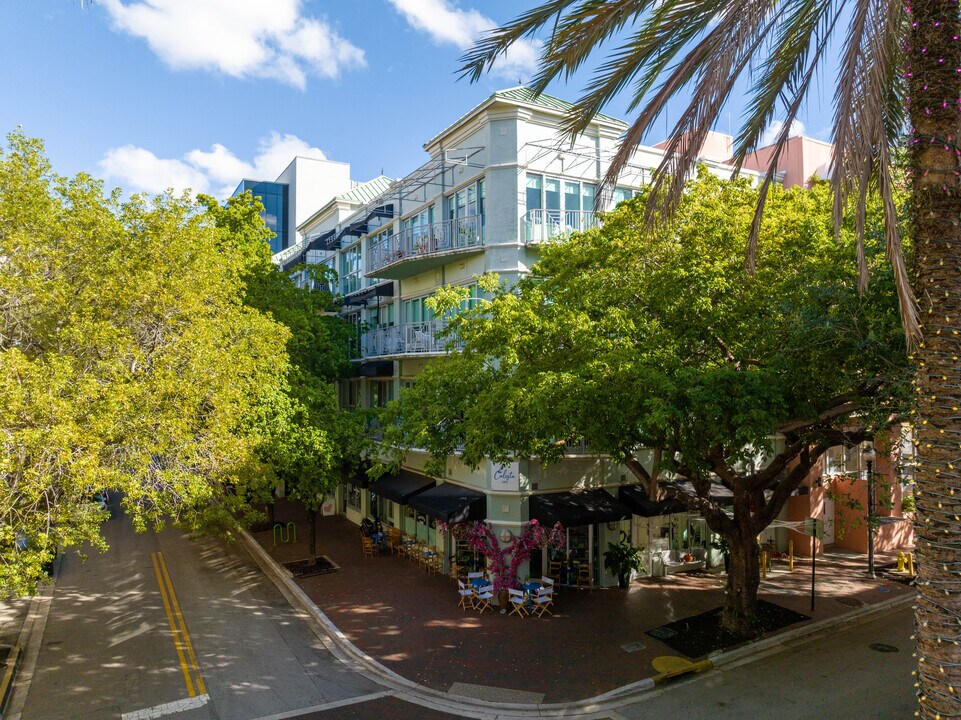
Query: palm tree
{"type": "Point", "coordinates": [899, 83]}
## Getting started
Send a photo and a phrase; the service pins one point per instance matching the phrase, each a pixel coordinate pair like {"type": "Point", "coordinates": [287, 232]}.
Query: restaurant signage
{"type": "Point", "coordinates": [506, 477]}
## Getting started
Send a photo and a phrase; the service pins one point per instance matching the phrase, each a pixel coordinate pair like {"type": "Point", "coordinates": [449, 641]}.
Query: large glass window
{"type": "Point", "coordinates": [535, 184]}
{"type": "Point", "coordinates": [621, 194]}
{"type": "Point", "coordinates": [467, 201]}
{"type": "Point", "coordinates": [350, 270]}
{"type": "Point", "coordinates": [552, 193]}
{"type": "Point", "coordinates": [353, 497]}
{"type": "Point", "coordinates": [416, 311]}
{"type": "Point", "coordinates": [588, 193]}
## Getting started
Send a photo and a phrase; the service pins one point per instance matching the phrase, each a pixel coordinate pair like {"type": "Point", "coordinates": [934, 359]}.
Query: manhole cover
{"type": "Point", "coordinates": [633, 647]}
{"type": "Point", "coordinates": [662, 632]}
{"type": "Point", "coordinates": [881, 647]}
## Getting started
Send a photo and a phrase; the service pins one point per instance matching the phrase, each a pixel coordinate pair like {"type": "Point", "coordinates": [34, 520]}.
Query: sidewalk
{"type": "Point", "coordinates": [410, 621]}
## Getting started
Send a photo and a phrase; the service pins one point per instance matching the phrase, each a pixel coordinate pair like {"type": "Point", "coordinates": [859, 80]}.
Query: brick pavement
{"type": "Point", "coordinates": [410, 622]}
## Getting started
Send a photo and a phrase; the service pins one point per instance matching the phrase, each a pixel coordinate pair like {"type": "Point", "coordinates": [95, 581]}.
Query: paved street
{"type": "Point", "coordinates": [162, 625]}
{"type": "Point", "coordinates": [832, 675]}
{"type": "Point", "coordinates": [160, 619]}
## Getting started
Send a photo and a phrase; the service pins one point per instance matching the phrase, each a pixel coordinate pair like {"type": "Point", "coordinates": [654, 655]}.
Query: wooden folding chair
{"type": "Point", "coordinates": [519, 600]}
{"type": "Point", "coordinates": [466, 594]}
{"type": "Point", "coordinates": [542, 601]}
{"type": "Point", "coordinates": [483, 597]}
{"type": "Point", "coordinates": [368, 545]}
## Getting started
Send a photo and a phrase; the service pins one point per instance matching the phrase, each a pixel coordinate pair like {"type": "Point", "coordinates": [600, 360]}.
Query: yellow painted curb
{"type": "Point", "coordinates": [670, 666]}
{"type": "Point", "coordinates": [7, 682]}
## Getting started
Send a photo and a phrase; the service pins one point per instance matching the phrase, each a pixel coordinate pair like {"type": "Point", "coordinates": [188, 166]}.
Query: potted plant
{"type": "Point", "coordinates": [719, 543]}
{"type": "Point", "coordinates": [621, 559]}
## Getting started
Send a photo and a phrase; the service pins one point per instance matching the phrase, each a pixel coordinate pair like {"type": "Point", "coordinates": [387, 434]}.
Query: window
{"type": "Point", "coordinates": [588, 193]}
{"type": "Point", "coordinates": [350, 271]}
{"type": "Point", "coordinates": [381, 393]}
{"type": "Point", "coordinates": [552, 193]}
{"type": "Point", "coordinates": [621, 194]}
{"type": "Point", "coordinates": [381, 316]}
{"type": "Point", "coordinates": [352, 496]}
{"type": "Point", "coordinates": [466, 202]}
{"type": "Point", "coordinates": [534, 185]}
{"type": "Point", "coordinates": [415, 311]}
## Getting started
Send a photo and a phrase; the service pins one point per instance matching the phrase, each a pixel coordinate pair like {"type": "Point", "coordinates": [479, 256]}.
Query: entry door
{"type": "Point", "coordinates": [828, 521]}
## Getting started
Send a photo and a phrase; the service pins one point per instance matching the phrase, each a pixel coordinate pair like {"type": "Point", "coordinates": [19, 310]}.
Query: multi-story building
{"type": "Point", "coordinates": [499, 182]}
{"type": "Point", "coordinates": [289, 199]}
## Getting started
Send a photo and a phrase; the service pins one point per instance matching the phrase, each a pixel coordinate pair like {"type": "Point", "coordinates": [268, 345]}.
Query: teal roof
{"type": "Point", "coordinates": [365, 192]}
{"type": "Point", "coordinates": [524, 94]}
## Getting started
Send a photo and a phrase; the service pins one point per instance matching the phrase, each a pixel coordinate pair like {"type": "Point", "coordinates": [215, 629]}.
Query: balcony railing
{"type": "Point", "coordinates": [546, 225]}
{"type": "Point", "coordinates": [427, 240]}
{"type": "Point", "coordinates": [409, 339]}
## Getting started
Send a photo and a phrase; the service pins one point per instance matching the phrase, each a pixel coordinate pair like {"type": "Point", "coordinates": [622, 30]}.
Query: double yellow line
{"type": "Point", "coordinates": [185, 648]}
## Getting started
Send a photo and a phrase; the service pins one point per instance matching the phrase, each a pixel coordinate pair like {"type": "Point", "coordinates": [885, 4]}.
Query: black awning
{"type": "Point", "coordinates": [640, 503]}
{"type": "Point", "coordinates": [377, 291]}
{"type": "Point", "coordinates": [581, 508]}
{"type": "Point", "coordinates": [402, 486]}
{"type": "Point", "coordinates": [719, 494]}
{"type": "Point", "coordinates": [451, 503]}
{"type": "Point", "coordinates": [377, 368]}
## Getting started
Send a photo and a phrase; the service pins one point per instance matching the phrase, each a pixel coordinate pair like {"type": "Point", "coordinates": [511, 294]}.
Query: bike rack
{"type": "Point", "coordinates": [285, 533]}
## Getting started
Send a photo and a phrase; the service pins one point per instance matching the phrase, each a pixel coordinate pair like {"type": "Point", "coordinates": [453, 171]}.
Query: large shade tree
{"type": "Point", "coordinates": [653, 342]}
{"type": "Point", "coordinates": [128, 361]}
{"type": "Point", "coordinates": [898, 83]}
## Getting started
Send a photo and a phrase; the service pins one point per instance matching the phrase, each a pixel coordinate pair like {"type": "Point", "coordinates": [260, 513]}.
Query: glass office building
{"type": "Point", "coordinates": [275, 198]}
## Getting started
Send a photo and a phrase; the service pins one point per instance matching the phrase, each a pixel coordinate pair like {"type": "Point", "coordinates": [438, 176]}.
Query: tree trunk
{"type": "Point", "coordinates": [271, 519]}
{"type": "Point", "coordinates": [311, 537]}
{"type": "Point", "coordinates": [934, 81]}
{"type": "Point", "coordinates": [743, 579]}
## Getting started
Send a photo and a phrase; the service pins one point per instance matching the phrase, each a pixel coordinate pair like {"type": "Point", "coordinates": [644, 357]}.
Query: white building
{"type": "Point", "coordinates": [500, 181]}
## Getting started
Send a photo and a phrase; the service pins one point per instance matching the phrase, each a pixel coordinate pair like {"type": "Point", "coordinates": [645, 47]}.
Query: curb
{"type": "Point", "coordinates": [6, 684]}
{"type": "Point", "coordinates": [599, 706]}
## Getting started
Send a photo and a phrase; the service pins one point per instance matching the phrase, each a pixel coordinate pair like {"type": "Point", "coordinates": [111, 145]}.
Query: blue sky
{"type": "Point", "coordinates": [155, 93]}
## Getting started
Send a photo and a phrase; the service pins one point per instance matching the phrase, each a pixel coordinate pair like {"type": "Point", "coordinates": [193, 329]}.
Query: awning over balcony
{"type": "Point", "coordinates": [362, 297]}
{"type": "Point", "coordinates": [378, 368]}
{"type": "Point", "coordinates": [571, 509]}
{"type": "Point", "coordinates": [402, 486]}
{"type": "Point", "coordinates": [451, 503]}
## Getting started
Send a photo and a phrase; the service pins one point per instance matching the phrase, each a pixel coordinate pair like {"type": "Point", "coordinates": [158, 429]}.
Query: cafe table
{"type": "Point", "coordinates": [531, 587]}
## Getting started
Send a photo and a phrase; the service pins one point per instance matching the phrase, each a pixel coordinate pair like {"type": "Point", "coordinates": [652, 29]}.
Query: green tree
{"type": "Point", "coordinates": [898, 86]}
{"type": "Point", "coordinates": [309, 442]}
{"type": "Point", "coordinates": [654, 342]}
{"type": "Point", "coordinates": [129, 362]}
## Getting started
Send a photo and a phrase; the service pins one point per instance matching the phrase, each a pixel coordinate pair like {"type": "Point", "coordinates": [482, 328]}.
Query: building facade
{"type": "Point", "coordinates": [499, 183]}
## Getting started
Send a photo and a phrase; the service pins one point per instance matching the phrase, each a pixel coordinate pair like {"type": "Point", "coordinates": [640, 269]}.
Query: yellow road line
{"type": "Point", "coordinates": [191, 655]}
{"type": "Point", "coordinates": [178, 627]}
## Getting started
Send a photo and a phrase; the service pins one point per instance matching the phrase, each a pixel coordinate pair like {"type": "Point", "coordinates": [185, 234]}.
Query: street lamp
{"type": "Point", "coordinates": [868, 454]}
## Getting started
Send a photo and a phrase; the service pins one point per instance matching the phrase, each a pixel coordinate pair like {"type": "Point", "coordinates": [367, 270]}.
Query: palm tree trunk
{"type": "Point", "coordinates": [935, 88]}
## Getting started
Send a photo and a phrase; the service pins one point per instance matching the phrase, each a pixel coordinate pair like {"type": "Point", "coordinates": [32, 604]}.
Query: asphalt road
{"type": "Point", "coordinates": [162, 622]}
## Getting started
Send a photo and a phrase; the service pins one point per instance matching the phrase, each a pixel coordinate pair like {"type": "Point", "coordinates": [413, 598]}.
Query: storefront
{"type": "Point", "coordinates": [399, 488]}
{"type": "Point", "coordinates": [676, 539]}
{"type": "Point", "coordinates": [450, 504]}
{"type": "Point", "coordinates": [583, 515]}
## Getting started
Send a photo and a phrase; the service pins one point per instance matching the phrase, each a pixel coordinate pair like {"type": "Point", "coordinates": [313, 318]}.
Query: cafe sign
{"type": "Point", "coordinates": [506, 477]}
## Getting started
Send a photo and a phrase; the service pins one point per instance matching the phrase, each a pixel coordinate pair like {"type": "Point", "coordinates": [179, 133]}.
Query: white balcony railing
{"type": "Point", "coordinates": [408, 339]}
{"type": "Point", "coordinates": [546, 225]}
{"type": "Point", "coordinates": [427, 240]}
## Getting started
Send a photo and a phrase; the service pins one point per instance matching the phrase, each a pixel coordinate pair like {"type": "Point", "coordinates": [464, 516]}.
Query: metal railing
{"type": "Point", "coordinates": [407, 339]}
{"type": "Point", "coordinates": [545, 225]}
{"type": "Point", "coordinates": [426, 240]}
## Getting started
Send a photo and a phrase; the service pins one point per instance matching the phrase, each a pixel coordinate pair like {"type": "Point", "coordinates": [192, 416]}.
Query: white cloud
{"type": "Point", "coordinates": [240, 38]}
{"type": "Point", "coordinates": [770, 136]}
{"type": "Point", "coordinates": [216, 171]}
{"type": "Point", "coordinates": [449, 25]}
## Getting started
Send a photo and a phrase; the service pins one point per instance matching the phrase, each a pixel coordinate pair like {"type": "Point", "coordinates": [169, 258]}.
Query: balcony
{"type": "Point", "coordinates": [421, 248]}
{"type": "Point", "coordinates": [547, 225]}
{"type": "Point", "coordinates": [402, 340]}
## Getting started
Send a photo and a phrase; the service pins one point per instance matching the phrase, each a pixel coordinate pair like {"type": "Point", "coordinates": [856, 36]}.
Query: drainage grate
{"type": "Point", "coordinates": [662, 632]}
{"type": "Point", "coordinates": [633, 647]}
{"type": "Point", "coordinates": [881, 647]}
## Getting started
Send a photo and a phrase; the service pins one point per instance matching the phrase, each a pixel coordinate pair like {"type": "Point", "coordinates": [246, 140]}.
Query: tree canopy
{"type": "Point", "coordinates": [129, 360]}
{"type": "Point", "coordinates": [656, 344]}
